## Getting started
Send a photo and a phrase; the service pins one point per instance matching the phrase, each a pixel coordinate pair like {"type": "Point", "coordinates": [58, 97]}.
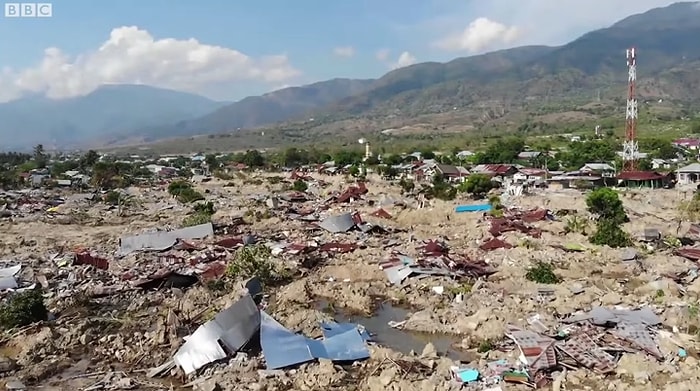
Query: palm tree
{"type": "Point", "coordinates": [124, 202]}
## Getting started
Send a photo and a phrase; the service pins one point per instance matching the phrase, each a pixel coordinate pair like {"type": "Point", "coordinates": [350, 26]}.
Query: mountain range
{"type": "Point", "coordinates": [501, 81]}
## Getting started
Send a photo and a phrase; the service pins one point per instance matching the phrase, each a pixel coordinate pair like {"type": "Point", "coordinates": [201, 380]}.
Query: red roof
{"type": "Point", "coordinates": [687, 142]}
{"type": "Point", "coordinates": [640, 175]}
{"type": "Point", "coordinates": [498, 168]}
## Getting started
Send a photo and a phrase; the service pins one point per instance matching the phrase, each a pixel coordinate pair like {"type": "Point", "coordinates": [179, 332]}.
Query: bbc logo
{"type": "Point", "coordinates": [28, 10]}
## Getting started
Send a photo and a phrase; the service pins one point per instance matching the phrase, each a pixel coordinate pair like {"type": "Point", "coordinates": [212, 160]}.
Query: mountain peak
{"type": "Point", "coordinates": [675, 16]}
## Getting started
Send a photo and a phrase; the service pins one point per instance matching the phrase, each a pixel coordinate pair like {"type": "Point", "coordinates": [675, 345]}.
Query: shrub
{"type": "Point", "coordinates": [112, 198]}
{"type": "Point", "coordinates": [22, 309]}
{"type": "Point", "coordinates": [609, 233]}
{"type": "Point", "coordinates": [177, 187]}
{"type": "Point", "coordinates": [576, 224]}
{"type": "Point", "coordinates": [407, 185]}
{"type": "Point", "coordinates": [478, 185]}
{"type": "Point", "coordinates": [205, 208]}
{"type": "Point", "coordinates": [196, 219]}
{"type": "Point", "coordinates": [189, 195]}
{"type": "Point", "coordinates": [202, 214]}
{"type": "Point", "coordinates": [542, 273]}
{"type": "Point", "coordinates": [485, 346]}
{"type": "Point", "coordinates": [300, 185]}
{"type": "Point", "coordinates": [254, 261]}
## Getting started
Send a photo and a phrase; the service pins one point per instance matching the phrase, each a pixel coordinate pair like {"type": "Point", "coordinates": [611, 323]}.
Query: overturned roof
{"type": "Point", "coordinates": [162, 240]}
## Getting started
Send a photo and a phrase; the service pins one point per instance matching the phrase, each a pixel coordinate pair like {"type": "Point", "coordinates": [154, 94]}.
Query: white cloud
{"type": "Point", "coordinates": [404, 60]}
{"type": "Point", "coordinates": [541, 22]}
{"type": "Point", "coordinates": [131, 55]}
{"type": "Point", "coordinates": [482, 33]}
{"type": "Point", "coordinates": [382, 54]}
{"type": "Point", "coordinates": [344, 51]}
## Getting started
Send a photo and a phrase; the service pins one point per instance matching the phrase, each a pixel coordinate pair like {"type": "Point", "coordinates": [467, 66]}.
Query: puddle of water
{"type": "Point", "coordinates": [397, 339]}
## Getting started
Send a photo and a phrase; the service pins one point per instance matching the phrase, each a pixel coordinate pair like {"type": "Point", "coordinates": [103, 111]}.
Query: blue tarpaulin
{"type": "Point", "coordinates": [283, 348]}
{"type": "Point", "coordinates": [473, 208]}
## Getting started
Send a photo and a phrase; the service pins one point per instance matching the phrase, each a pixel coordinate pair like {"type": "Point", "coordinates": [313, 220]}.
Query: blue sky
{"type": "Point", "coordinates": [278, 43]}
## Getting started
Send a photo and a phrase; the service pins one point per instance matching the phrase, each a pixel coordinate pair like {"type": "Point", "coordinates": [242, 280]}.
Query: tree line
{"type": "Point", "coordinates": [110, 173]}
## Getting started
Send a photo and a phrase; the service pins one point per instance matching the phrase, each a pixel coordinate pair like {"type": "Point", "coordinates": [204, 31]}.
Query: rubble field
{"type": "Point", "coordinates": [345, 286]}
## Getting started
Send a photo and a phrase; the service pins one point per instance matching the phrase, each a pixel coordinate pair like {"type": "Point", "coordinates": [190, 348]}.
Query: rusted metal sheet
{"type": "Point", "coordinates": [340, 248]}
{"type": "Point", "coordinates": [86, 258]}
{"type": "Point", "coordinates": [494, 244]}
{"type": "Point", "coordinates": [688, 252]}
{"type": "Point", "coordinates": [381, 213]}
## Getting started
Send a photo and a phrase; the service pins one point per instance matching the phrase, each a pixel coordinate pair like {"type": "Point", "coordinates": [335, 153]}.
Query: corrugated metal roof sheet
{"type": "Point", "coordinates": [162, 240]}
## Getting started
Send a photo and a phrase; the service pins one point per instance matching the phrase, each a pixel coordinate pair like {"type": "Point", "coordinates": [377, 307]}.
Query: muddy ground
{"type": "Point", "coordinates": [112, 340]}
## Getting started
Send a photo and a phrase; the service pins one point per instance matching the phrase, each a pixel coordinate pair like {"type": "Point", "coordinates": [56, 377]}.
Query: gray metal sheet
{"type": "Point", "coordinates": [8, 283]}
{"type": "Point", "coordinates": [338, 224]}
{"type": "Point", "coordinates": [331, 329]}
{"type": "Point", "coordinates": [10, 271]}
{"type": "Point", "coordinates": [162, 240]}
{"type": "Point", "coordinates": [397, 274]}
{"type": "Point", "coordinates": [346, 346]}
{"type": "Point", "coordinates": [233, 327]}
{"type": "Point", "coordinates": [601, 316]}
{"type": "Point", "coordinates": [281, 347]}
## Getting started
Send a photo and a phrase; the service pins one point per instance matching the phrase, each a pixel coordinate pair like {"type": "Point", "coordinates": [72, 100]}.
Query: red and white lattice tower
{"type": "Point", "coordinates": [630, 148]}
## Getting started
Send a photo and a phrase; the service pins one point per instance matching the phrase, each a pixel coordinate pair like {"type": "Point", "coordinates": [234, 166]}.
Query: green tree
{"type": "Point", "coordinates": [579, 153]}
{"type": "Point", "coordinates": [427, 153]}
{"type": "Point", "coordinates": [440, 189]}
{"type": "Point", "coordinates": [644, 165]}
{"type": "Point", "coordinates": [502, 152]}
{"type": "Point", "coordinates": [253, 158]}
{"type": "Point", "coordinates": [372, 160]}
{"type": "Point", "coordinates": [658, 148]}
{"type": "Point", "coordinates": [694, 126]}
{"type": "Point", "coordinates": [389, 172]}
{"type": "Point", "coordinates": [13, 159]}
{"type": "Point", "coordinates": [392, 160]}
{"type": "Point", "coordinates": [9, 180]}
{"type": "Point", "coordinates": [606, 204]}
{"type": "Point", "coordinates": [477, 185]}
{"type": "Point", "coordinates": [211, 161]}
{"type": "Point", "coordinates": [40, 157]}
{"type": "Point", "coordinates": [89, 159]}
{"type": "Point", "coordinates": [111, 175]}
{"type": "Point", "coordinates": [609, 233]}
{"type": "Point", "coordinates": [346, 157]}
{"type": "Point", "coordinates": [293, 157]}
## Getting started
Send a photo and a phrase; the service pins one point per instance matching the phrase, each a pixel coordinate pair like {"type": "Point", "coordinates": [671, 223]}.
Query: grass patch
{"type": "Point", "coordinates": [542, 273]}
{"type": "Point", "coordinates": [485, 346]}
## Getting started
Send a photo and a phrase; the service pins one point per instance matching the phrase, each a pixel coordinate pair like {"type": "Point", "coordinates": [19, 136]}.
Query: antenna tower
{"type": "Point", "coordinates": [630, 148]}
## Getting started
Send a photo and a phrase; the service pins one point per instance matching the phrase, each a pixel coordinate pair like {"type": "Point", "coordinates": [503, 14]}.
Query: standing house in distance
{"type": "Point", "coordinates": [689, 174]}
{"type": "Point", "coordinates": [450, 173]}
{"type": "Point", "coordinates": [604, 170]}
{"type": "Point", "coordinates": [687, 143]}
{"type": "Point", "coordinates": [650, 179]}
